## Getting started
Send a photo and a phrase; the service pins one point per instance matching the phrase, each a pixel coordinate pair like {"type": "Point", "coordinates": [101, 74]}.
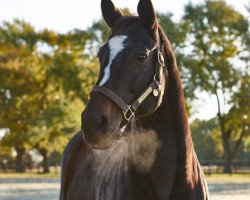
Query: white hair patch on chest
{"type": "Point", "coordinates": [115, 45]}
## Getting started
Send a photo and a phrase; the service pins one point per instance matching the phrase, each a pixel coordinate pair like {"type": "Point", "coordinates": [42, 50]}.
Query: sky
{"type": "Point", "coordinates": [65, 15]}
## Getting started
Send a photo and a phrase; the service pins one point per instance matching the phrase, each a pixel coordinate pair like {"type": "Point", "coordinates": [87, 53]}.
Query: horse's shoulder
{"type": "Point", "coordinates": [72, 154]}
{"type": "Point", "coordinates": [73, 143]}
{"type": "Point", "coordinates": [73, 149]}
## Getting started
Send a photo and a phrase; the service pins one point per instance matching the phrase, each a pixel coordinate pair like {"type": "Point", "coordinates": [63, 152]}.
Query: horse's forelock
{"type": "Point", "coordinates": [128, 20]}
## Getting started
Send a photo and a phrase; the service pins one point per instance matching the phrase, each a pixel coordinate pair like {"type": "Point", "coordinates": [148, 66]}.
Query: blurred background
{"type": "Point", "coordinates": [48, 64]}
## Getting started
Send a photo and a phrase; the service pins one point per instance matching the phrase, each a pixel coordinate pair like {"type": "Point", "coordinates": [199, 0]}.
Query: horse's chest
{"type": "Point", "coordinates": [88, 185]}
{"type": "Point", "coordinates": [124, 172]}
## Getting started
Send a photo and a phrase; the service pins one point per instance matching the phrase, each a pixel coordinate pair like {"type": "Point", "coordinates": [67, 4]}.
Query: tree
{"type": "Point", "coordinates": [65, 83]}
{"type": "Point", "coordinates": [72, 67]}
{"type": "Point", "coordinates": [176, 32]}
{"type": "Point", "coordinates": [238, 122]}
{"type": "Point", "coordinates": [215, 37]}
{"type": "Point", "coordinates": [16, 45]}
{"type": "Point", "coordinates": [44, 79]}
{"type": "Point", "coordinates": [202, 135]}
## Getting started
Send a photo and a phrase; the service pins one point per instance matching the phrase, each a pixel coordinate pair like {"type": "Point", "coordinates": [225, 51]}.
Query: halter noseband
{"type": "Point", "coordinates": [153, 87]}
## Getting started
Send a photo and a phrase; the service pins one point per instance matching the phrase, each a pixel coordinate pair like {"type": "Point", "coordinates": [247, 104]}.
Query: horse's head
{"type": "Point", "coordinates": [131, 81]}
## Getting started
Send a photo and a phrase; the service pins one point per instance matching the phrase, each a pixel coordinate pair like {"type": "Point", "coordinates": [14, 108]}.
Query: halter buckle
{"type": "Point", "coordinates": [128, 114]}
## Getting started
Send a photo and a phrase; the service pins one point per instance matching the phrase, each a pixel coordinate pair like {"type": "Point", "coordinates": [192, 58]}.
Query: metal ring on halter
{"type": "Point", "coordinates": [128, 114]}
{"type": "Point", "coordinates": [160, 58]}
{"type": "Point", "coordinates": [157, 81]}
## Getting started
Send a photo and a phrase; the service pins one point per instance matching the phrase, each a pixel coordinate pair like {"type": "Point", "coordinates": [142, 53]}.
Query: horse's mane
{"type": "Point", "coordinates": [126, 20]}
{"type": "Point", "coordinates": [174, 90]}
{"type": "Point", "coordinates": [168, 52]}
{"type": "Point", "coordinates": [175, 97]}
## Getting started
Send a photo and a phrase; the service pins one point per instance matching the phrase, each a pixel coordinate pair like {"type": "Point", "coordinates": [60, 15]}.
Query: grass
{"type": "Point", "coordinates": [228, 178]}
{"type": "Point", "coordinates": [29, 175]}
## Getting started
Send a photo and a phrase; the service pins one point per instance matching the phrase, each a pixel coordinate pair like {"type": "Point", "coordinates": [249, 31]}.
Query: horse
{"type": "Point", "coordinates": [134, 142]}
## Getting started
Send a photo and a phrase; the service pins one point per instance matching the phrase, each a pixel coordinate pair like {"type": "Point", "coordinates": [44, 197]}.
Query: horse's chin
{"type": "Point", "coordinates": [105, 143]}
{"type": "Point", "coordinates": [101, 144]}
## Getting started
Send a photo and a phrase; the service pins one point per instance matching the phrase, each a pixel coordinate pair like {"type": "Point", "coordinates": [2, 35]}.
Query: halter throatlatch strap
{"type": "Point", "coordinates": [128, 110]}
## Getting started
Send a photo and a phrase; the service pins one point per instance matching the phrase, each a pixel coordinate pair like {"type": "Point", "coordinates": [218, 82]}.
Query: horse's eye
{"type": "Point", "coordinates": [142, 57]}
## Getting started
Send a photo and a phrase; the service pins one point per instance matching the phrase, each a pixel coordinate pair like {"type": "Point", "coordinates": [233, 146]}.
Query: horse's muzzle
{"type": "Point", "coordinates": [101, 121]}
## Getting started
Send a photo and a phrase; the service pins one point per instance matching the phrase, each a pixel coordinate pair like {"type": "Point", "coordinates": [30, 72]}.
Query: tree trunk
{"type": "Point", "coordinates": [228, 169]}
{"type": "Point", "coordinates": [225, 136]}
{"type": "Point", "coordinates": [20, 167]}
{"type": "Point", "coordinates": [227, 152]}
{"type": "Point", "coordinates": [45, 163]}
{"type": "Point", "coordinates": [232, 154]}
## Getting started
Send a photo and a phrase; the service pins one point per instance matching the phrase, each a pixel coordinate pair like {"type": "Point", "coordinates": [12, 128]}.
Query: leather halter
{"type": "Point", "coordinates": [153, 87]}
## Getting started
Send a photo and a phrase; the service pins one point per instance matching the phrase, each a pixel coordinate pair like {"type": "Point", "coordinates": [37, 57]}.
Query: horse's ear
{"type": "Point", "coordinates": [110, 12]}
{"type": "Point", "coordinates": [147, 14]}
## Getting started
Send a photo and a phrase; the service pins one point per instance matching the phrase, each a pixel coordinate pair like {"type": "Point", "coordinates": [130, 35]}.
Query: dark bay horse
{"type": "Point", "coordinates": [134, 143]}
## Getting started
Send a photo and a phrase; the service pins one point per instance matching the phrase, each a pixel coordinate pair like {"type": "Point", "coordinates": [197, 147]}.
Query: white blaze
{"type": "Point", "coordinates": [115, 46]}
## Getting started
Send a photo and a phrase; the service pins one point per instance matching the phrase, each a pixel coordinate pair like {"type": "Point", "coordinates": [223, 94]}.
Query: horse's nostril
{"type": "Point", "coordinates": [94, 122]}
{"type": "Point", "coordinates": [102, 122]}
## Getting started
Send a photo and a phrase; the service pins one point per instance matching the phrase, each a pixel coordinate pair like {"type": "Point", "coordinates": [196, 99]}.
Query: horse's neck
{"type": "Point", "coordinates": [170, 122]}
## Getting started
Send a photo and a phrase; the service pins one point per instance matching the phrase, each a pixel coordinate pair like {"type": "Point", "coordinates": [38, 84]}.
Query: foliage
{"type": "Point", "coordinates": [46, 78]}
{"type": "Point", "coordinates": [16, 78]}
{"type": "Point", "coordinates": [216, 35]}
{"type": "Point", "coordinates": [204, 143]}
